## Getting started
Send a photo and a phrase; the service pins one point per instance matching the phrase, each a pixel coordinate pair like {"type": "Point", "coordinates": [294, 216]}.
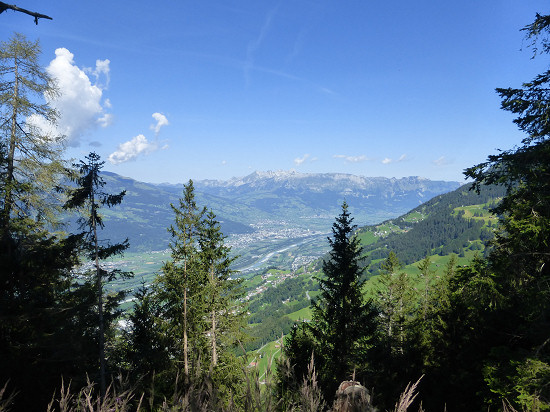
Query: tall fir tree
{"type": "Point", "coordinates": [343, 323]}
{"type": "Point", "coordinates": [222, 292]}
{"type": "Point", "coordinates": [178, 284]}
{"type": "Point", "coordinates": [88, 197]}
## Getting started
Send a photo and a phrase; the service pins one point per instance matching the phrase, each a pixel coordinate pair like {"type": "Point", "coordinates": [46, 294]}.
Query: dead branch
{"type": "Point", "coordinates": [4, 7]}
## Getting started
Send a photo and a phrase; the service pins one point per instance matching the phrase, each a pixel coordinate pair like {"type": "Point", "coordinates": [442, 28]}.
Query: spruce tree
{"type": "Point", "coordinates": [88, 197]}
{"type": "Point", "coordinates": [177, 286]}
{"type": "Point", "coordinates": [222, 292]}
{"type": "Point", "coordinates": [343, 322]}
{"type": "Point", "coordinates": [145, 343]}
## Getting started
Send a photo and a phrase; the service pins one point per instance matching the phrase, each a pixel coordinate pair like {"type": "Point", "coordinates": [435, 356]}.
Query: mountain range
{"type": "Point", "coordinates": [264, 200]}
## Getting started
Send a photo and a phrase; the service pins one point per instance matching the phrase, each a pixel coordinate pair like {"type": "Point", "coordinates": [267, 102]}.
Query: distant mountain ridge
{"type": "Point", "coordinates": [341, 182]}
{"type": "Point", "coordinates": [293, 199]}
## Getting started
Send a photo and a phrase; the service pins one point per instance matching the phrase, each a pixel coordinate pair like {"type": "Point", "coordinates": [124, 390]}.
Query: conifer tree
{"type": "Point", "coordinates": [87, 197]}
{"type": "Point", "coordinates": [178, 285]}
{"type": "Point", "coordinates": [145, 350]}
{"type": "Point", "coordinates": [426, 275]}
{"type": "Point", "coordinates": [394, 298]}
{"type": "Point", "coordinates": [518, 327]}
{"type": "Point", "coordinates": [343, 322]}
{"type": "Point", "coordinates": [221, 291]}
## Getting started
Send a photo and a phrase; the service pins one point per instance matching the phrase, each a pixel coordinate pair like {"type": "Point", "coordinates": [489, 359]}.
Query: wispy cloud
{"type": "Point", "coordinates": [441, 161]}
{"type": "Point", "coordinates": [161, 121]}
{"type": "Point", "coordinates": [299, 160]}
{"type": "Point", "coordinates": [351, 159]}
{"type": "Point", "coordinates": [388, 160]}
{"type": "Point", "coordinates": [255, 44]}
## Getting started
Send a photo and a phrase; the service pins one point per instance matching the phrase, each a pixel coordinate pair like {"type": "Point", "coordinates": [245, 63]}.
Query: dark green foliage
{"type": "Point", "coordinates": [440, 232]}
{"type": "Point", "coordinates": [190, 321]}
{"type": "Point", "coordinates": [519, 264]}
{"type": "Point", "coordinates": [145, 352]}
{"type": "Point", "coordinates": [38, 340]}
{"type": "Point", "coordinates": [343, 323]}
{"type": "Point", "coordinates": [88, 197]}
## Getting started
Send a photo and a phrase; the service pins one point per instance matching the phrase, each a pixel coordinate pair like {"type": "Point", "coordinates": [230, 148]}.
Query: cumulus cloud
{"type": "Point", "coordinates": [79, 102]}
{"type": "Point", "coordinates": [351, 159]}
{"type": "Point", "coordinates": [131, 149]}
{"type": "Point", "coordinates": [299, 160]}
{"type": "Point", "coordinates": [161, 121]}
{"type": "Point", "coordinates": [388, 160]}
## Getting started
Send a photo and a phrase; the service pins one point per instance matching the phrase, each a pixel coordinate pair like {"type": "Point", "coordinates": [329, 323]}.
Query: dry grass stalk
{"type": "Point", "coordinates": [311, 398]}
{"type": "Point", "coordinates": [6, 400]}
{"type": "Point", "coordinates": [407, 397]}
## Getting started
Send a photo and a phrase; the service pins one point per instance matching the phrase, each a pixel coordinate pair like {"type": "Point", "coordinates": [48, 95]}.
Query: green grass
{"type": "Point", "coordinates": [414, 217]}
{"type": "Point", "coordinates": [302, 314]}
{"type": "Point", "coordinates": [265, 357]}
{"type": "Point", "coordinates": [367, 237]}
{"type": "Point", "coordinates": [477, 212]}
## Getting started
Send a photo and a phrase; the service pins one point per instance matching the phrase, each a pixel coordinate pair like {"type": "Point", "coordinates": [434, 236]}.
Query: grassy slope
{"type": "Point", "coordinates": [372, 235]}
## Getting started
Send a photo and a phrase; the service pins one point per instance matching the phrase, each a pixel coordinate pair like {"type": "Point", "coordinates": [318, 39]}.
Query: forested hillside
{"type": "Point", "coordinates": [440, 226]}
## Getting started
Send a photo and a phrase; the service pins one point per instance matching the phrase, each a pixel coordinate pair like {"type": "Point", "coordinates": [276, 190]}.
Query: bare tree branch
{"type": "Point", "coordinates": [4, 7]}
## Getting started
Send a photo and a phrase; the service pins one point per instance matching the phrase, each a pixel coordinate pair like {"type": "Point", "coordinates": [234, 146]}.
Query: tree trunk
{"type": "Point", "coordinates": [185, 337]}
{"type": "Point", "coordinates": [8, 197]}
{"type": "Point", "coordinates": [99, 285]}
{"type": "Point", "coordinates": [214, 326]}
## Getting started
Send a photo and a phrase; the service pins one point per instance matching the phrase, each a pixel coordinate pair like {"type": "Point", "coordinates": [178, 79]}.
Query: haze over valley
{"type": "Point", "coordinates": [279, 219]}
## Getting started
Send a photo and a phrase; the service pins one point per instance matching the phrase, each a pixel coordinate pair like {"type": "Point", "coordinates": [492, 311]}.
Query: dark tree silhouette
{"type": "Point", "coordinates": [4, 7]}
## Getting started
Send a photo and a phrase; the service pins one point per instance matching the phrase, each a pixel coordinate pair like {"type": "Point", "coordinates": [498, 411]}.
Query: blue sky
{"type": "Point", "coordinates": [171, 90]}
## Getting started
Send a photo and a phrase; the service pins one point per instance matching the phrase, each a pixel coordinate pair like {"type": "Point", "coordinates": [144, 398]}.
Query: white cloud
{"type": "Point", "coordinates": [299, 160]}
{"type": "Point", "coordinates": [351, 159]}
{"type": "Point", "coordinates": [101, 68]}
{"type": "Point", "coordinates": [161, 121]}
{"type": "Point", "coordinates": [105, 120]}
{"type": "Point", "coordinates": [79, 101]}
{"type": "Point", "coordinates": [442, 161]}
{"type": "Point", "coordinates": [388, 160]}
{"type": "Point", "coordinates": [131, 149]}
